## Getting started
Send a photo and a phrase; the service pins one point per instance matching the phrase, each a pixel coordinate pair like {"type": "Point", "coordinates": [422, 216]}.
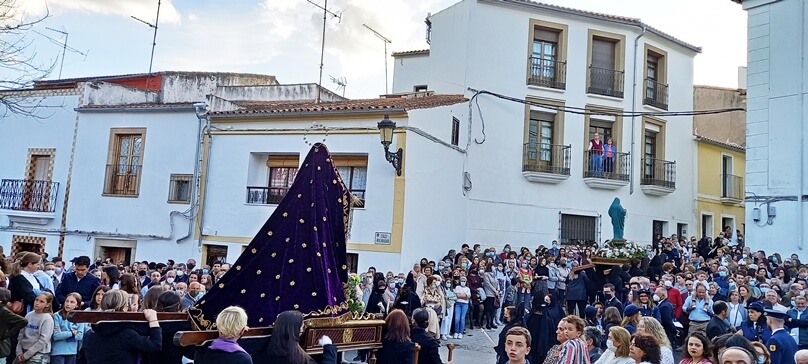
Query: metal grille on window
{"type": "Point", "coordinates": [578, 229]}
{"type": "Point", "coordinates": [180, 188]}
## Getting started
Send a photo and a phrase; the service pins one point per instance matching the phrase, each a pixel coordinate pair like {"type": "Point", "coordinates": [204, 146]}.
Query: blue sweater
{"type": "Point", "coordinates": [64, 343]}
{"type": "Point", "coordinates": [85, 287]}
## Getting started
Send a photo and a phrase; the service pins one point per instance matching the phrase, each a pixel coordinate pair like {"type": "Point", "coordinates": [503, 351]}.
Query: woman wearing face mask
{"type": "Point", "coordinates": [499, 273]}
{"type": "Point", "coordinates": [617, 347]}
{"type": "Point", "coordinates": [762, 353]}
{"type": "Point", "coordinates": [376, 302]}
{"type": "Point", "coordinates": [491, 289]}
{"type": "Point", "coordinates": [737, 313]}
{"type": "Point", "coordinates": [463, 294]}
{"type": "Point", "coordinates": [576, 290]}
{"type": "Point", "coordinates": [505, 251]}
{"type": "Point", "coordinates": [543, 319]}
{"type": "Point", "coordinates": [563, 274]}
{"type": "Point", "coordinates": [541, 274]}
{"type": "Point", "coordinates": [448, 316]}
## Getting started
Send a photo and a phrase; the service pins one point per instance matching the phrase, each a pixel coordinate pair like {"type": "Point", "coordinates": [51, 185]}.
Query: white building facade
{"type": "Point", "coordinates": [533, 178]}
{"type": "Point", "coordinates": [777, 110]}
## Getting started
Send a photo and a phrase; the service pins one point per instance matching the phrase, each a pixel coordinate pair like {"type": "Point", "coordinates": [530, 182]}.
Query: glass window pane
{"type": "Point", "coordinates": [124, 146]}
{"type": "Point", "coordinates": [137, 144]}
{"type": "Point", "coordinates": [359, 178]}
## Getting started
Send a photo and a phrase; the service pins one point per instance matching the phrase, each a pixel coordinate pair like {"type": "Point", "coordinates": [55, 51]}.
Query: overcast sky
{"type": "Point", "coordinates": [282, 37]}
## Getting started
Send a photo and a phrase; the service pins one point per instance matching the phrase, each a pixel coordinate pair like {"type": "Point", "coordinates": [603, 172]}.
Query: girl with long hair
{"type": "Point", "coordinates": [131, 285]}
{"type": "Point", "coordinates": [397, 348]}
{"type": "Point", "coordinates": [284, 344]}
{"type": "Point", "coordinates": [34, 342]}
{"type": "Point", "coordinates": [98, 294]}
{"type": "Point", "coordinates": [23, 284]}
{"type": "Point", "coordinates": [697, 349]}
{"type": "Point", "coordinates": [66, 334]}
{"type": "Point", "coordinates": [111, 276]}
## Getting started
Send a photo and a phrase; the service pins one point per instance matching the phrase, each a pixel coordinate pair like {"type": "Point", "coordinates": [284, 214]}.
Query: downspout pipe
{"type": "Point", "coordinates": [199, 108]}
{"type": "Point", "coordinates": [801, 194]}
{"type": "Point", "coordinates": [204, 191]}
{"type": "Point", "coordinates": [634, 107]}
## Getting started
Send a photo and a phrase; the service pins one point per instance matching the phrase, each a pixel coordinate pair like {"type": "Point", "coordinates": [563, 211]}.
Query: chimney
{"type": "Point", "coordinates": [742, 77]}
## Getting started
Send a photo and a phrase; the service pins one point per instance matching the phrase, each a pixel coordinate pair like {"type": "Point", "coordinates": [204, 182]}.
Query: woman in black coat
{"type": "Point", "coordinates": [429, 353]}
{"type": "Point", "coordinates": [118, 342]}
{"type": "Point", "coordinates": [512, 319]}
{"type": "Point", "coordinates": [407, 301]}
{"type": "Point", "coordinates": [284, 344]}
{"type": "Point", "coordinates": [169, 301]}
{"type": "Point", "coordinates": [397, 348]}
{"type": "Point", "coordinates": [10, 325]}
{"type": "Point", "coordinates": [20, 285]}
{"type": "Point", "coordinates": [544, 319]}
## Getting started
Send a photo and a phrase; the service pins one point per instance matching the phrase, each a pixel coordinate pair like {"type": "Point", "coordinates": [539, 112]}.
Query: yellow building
{"type": "Point", "coordinates": [720, 184]}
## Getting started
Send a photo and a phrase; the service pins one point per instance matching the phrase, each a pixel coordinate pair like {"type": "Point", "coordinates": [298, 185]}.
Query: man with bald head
{"type": "Point", "coordinates": [737, 355]}
{"type": "Point", "coordinates": [195, 292]}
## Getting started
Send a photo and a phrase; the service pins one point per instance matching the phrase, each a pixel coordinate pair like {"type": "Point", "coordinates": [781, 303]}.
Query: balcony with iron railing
{"type": "Point", "coordinates": [606, 82]}
{"type": "Point", "coordinates": [606, 170]}
{"type": "Point", "coordinates": [547, 73]}
{"type": "Point", "coordinates": [546, 163]}
{"type": "Point", "coordinates": [656, 94]}
{"type": "Point", "coordinates": [29, 201]}
{"type": "Point", "coordinates": [122, 180]}
{"type": "Point", "coordinates": [260, 195]}
{"type": "Point", "coordinates": [732, 189]}
{"type": "Point", "coordinates": [659, 177]}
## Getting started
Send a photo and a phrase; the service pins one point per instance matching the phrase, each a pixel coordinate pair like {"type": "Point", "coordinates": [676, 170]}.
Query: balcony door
{"type": "Point", "coordinates": [602, 77]}
{"type": "Point", "coordinates": [540, 138]}
{"type": "Point", "coordinates": [727, 181]}
{"type": "Point", "coordinates": [650, 153]}
{"type": "Point", "coordinates": [36, 191]}
{"type": "Point", "coordinates": [545, 54]}
{"type": "Point", "coordinates": [652, 67]}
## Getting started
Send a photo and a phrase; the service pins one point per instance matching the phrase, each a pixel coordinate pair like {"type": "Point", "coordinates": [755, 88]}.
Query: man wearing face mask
{"type": "Point", "coordinates": [181, 273]}
{"type": "Point", "coordinates": [195, 292]}
{"type": "Point", "coordinates": [664, 314]}
{"type": "Point", "coordinates": [554, 250]}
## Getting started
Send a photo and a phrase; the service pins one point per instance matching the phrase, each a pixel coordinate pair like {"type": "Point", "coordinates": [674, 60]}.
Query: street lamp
{"type": "Point", "coordinates": [386, 128]}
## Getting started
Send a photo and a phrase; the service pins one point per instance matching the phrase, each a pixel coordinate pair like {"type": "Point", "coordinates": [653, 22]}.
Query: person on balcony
{"type": "Point", "coordinates": [596, 155]}
{"type": "Point", "coordinates": [609, 154]}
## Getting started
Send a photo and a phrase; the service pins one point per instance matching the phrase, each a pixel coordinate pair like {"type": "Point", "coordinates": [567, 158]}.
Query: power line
{"type": "Point", "coordinates": [585, 111]}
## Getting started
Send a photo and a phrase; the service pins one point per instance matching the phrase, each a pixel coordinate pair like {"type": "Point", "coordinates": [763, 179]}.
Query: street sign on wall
{"type": "Point", "coordinates": [383, 238]}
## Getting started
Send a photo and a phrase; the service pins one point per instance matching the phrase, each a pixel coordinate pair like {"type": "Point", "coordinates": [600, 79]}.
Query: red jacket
{"type": "Point", "coordinates": [676, 300]}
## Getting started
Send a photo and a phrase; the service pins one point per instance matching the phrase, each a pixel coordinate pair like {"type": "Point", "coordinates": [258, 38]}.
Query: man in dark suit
{"type": "Point", "coordinates": [664, 314]}
{"type": "Point", "coordinates": [610, 299]}
{"type": "Point", "coordinates": [78, 281]}
{"type": "Point", "coordinates": [429, 353]}
{"type": "Point", "coordinates": [718, 325]}
{"type": "Point", "coordinates": [781, 345]}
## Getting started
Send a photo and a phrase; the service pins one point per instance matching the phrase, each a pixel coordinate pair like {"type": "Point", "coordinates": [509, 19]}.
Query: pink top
{"type": "Point", "coordinates": [690, 361]}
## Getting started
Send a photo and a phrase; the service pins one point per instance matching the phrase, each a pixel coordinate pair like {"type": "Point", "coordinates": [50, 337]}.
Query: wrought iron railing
{"type": "Point", "coordinates": [122, 179]}
{"type": "Point", "coordinates": [615, 166]}
{"type": "Point", "coordinates": [732, 187]}
{"type": "Point", "coordinates": [28, 195]}
{"type": "Point", "coordinates": [656, 94]}
{"type": "Point", "coordinates": [658, 172]}
{"type": "Point", "coordinates": [604, 81]}
{"type": "Point", "coordinates": [547, 158]}
{"type": "Point", "coordinates": [547, 73]}
{"type": "Point", "coordinates": [265, 195]}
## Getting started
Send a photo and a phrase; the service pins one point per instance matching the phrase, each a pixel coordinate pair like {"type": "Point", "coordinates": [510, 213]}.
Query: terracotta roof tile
{"type": "Point", "coordinates": [359, 105]}
{"type": "Point", "coordinates": [410, 53]}
{"type": "Point", "coordinates": [145, 105]}
{"type": "Point", "coordinates": [727, 143]}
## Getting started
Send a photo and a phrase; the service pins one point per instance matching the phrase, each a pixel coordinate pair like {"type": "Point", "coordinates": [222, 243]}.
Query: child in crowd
{"type": "Point", "coordinates": [34, 344]}
{"type": "Point", "coordinates": [66, 335]}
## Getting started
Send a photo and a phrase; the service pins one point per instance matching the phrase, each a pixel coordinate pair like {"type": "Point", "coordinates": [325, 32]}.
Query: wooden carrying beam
{"type": "Point", "coordinates": [94, 317]}
{"type": "Point", "coordinates": [189, 338]}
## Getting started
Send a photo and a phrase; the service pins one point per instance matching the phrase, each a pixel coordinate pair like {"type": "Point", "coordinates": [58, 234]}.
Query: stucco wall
{"type": "Point", "coordinates": [725, 127]}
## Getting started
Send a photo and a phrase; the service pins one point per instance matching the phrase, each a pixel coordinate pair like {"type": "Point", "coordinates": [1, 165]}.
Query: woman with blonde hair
{"type": "Point", "coordinates": [649, 326]}
{"type": "Point", "coordinates": [231, 324]}
{"type": "Point", "coordinates": [617, 347]}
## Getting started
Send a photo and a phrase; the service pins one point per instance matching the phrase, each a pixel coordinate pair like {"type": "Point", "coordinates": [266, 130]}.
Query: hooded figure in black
{"type": "Point", "coordinates": [376, 303]}
{"type": "Point", "coordinates": [407, 300]}
{"type": "Point", "coordinates": [543, 320]}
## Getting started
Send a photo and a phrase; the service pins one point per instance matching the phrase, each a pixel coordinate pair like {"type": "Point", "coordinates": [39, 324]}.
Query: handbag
{"type": "Point", "coordinates": [497, 303]}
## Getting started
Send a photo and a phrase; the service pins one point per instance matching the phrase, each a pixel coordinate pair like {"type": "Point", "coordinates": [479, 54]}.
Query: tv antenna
{"type": "Point", "coordinates": [326, 12]}
{"type": "Point", "coordinates": [341, 83]}
{"type": "Point", "coordinates": [64, 45]}
{"type": "Point", "coordinates": [386, 42]}
{"type": "Point", "coordinates": [154, 39]}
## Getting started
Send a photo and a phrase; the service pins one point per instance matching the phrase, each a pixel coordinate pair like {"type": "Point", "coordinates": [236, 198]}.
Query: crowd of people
{"type": "Point", "coordinates": [697, 296]}
{"type": "Point", "coordinates": [711, 299]}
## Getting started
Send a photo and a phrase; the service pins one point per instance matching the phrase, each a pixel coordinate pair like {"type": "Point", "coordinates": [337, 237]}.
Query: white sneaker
{"type": "Point", "coordinates": [443, 337]}
{"type": "Point", "coordinates": [455, 336]}
{"type": "Point", "coordinates": [460, 336]}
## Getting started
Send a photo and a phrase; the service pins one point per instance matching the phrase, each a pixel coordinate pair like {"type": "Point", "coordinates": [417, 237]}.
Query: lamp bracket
{"type": "Point", "coordinates": [395, 158]}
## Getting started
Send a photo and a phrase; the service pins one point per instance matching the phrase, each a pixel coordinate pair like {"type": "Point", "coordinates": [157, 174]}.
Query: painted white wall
{"type": "Point", "coordinates": [484, 46]}
{"type": "Point", "coordinates": [409, 71]}
{"type": "Point", "coordinates": [170, 146]}
{"type": "Point", "coordinates": [53, 130]}
{"type": "Point", "coordinates": [777, 107]}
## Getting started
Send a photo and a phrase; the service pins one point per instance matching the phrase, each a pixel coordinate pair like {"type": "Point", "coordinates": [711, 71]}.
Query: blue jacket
{"type": "Point", "coordinates": [85, 287]}
{"type": "Point", "coordinates": [782, 347]}
{"type": "Point", "coordinates": [762, 334]}
{"type": "Point", "coordinates": [64, 343]}
{"type": "Point", "coordinates": [801, 322]}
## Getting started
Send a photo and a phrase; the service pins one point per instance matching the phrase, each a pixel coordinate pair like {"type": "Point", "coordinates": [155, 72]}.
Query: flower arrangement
{"type": "Point", "coordinates": [622, 250]}
{"type": "Point", "coordinates": [353, 294]}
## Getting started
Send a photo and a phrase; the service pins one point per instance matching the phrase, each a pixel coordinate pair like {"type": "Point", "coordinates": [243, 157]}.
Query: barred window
{"type": "Point", "coordinates": [179, 189]}
{"type": "Point", "coordinates": [577, 228]}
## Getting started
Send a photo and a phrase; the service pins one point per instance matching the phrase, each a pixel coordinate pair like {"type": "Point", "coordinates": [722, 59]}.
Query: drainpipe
{"type": "Point", "coordinates": [802, 132]}
{"type": "Point", "coordinates": [204, 191]}
{"type": "Point", "coordinates": [199, 108]}
{"type": "Point", "coordinates": [634, 107]}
